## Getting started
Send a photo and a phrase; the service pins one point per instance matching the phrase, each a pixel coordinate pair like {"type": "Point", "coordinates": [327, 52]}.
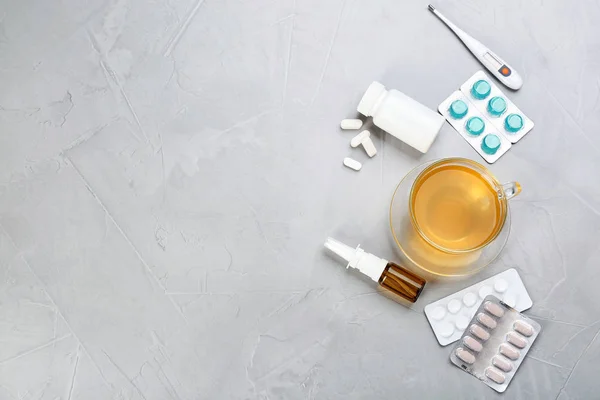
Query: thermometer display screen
{"type": "Point", "coordinates": [494, 62]}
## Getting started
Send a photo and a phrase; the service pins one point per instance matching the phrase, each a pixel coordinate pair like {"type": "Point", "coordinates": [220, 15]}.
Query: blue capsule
{"type": "Point", "coordinates": [458, 109]}
{"type": "Point", "coordinates": [496, 106]}
{"type": "Point", "coordinates": [475, 126]}
{"type": "Point", "coordinates": [481, 89]}
{"type": "Point", "coordinates": [490, 144]}
{"type": "Point", "coordinates": [513, 123]}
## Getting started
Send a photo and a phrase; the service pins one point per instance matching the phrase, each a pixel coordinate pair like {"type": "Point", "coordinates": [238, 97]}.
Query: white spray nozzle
{"type": "Point", "coordinates": [346, 252]}
{"type": "Point", "coordinates": [367, 263]}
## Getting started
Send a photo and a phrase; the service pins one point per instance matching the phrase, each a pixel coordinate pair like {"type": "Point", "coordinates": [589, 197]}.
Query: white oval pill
{"type": "Point", "coordinates": [479, 332]}
{"type": "Point", "coordinates": [495, 375]}
{"type": "Point", "coordinates": [469, 299]}
{"type": "Point", "coordinates": [446, 329]}
{"type": "Point", "coordinates": [352, 124]}
{"type": "Point", "coordinates": [500, 285]}
{"type": "Point", "coordinates": [461, 322]}
{"type": "Point", "coordinates": [357, 140]}
{"type": "Point", "coordinates": [352, 164]}
{"type": "Point", "coordinates": [486, 320]}
{"type": "Point", "coordinates": [454, 306]}
{"type": "Point", "coordinates": [466, 356]}
{"type": "Point", "coordinates": [516, 340]}
{"type": "Point", "coordinates": [509, 352]}
{"type": "Point", "coordinates": [523, 328]}
{"type": "Point", "coordinates": [438, 313]}
{"type": "Point", "coordinates": [369, 147]}
{"type": "Point", "coordinates": [485, 291]}
{"type": "Point", "coordinates": [494, 309]}
{"type": "Point", "coordinates": [502, 363]}
{"type": "Point", "coordinates": [472, 344]}
{"type": "Point", "coordinates": [510, 300]}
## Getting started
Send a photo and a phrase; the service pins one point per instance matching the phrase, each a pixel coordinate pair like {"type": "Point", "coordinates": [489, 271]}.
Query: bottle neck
{"type": "Point", "coordinates": [372, 99]}
{"type": "Point", "coordinates": [368, 264]}
{"type": "Point", "coordinates": [378, 103]}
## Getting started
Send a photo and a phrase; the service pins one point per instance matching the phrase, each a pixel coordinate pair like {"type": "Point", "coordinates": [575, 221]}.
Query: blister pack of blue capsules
{"type": "Point", "coordinates": [506, 117]}
{"type": "Point", "coordinates": [474, 127]}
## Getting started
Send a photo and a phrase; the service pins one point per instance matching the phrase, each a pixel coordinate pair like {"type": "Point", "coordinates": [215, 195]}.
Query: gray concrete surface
{"type": "Point", "coordinates": [170, 169]}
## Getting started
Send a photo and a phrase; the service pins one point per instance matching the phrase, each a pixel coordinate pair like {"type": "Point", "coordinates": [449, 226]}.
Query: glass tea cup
{"type": "Point", "coordinates": [450, 217]}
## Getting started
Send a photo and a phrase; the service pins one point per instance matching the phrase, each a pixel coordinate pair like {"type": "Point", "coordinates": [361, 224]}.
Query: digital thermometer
{"type": "Point", "coordinates": [498, 67]}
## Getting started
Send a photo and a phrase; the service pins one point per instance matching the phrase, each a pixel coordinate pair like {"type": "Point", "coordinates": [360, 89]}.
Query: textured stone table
{"type": "Point", "coordinates": [170, 169]}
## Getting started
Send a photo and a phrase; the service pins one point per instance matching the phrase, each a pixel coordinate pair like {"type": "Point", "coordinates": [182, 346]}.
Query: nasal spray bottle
{"type": "Point", "coordinates": [388, 275]}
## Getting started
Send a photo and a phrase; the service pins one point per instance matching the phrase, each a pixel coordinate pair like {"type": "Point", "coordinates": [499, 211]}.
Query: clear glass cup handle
{"type": "Point", "coordinates": [511, 189]}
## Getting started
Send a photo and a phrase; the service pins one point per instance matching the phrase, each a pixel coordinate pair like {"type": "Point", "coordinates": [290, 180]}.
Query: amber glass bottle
{"type": "Point", "coordinates": [390, 276]}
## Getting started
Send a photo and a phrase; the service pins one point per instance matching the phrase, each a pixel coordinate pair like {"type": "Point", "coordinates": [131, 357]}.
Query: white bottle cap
{"type": "Point", "coordinates": [371, 98]}
{"type": "Point", "coordinates": [366, 263]}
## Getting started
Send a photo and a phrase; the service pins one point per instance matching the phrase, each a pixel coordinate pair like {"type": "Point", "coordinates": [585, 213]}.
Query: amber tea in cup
{"type": "Point", "coordinates": [451, 217]}
{"type": "Point", "coordinates": [455, 207]}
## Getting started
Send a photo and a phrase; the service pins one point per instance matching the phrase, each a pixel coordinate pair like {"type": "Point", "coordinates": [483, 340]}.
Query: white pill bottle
{"type": "Point", "coordinates": [401, 116]}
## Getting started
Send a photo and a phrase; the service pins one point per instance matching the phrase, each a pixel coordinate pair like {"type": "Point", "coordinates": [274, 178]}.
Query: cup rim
{"type": "Point", "coordinates": [486, 174]}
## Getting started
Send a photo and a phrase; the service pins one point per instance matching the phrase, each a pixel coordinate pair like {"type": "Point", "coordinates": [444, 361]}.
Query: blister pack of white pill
{"type": "Point", "coordinates": [507, 118]}
{"type": "Point", "coordinates": [495, 343]}
{"type": "Point", "coordinates": [449, 317]}
{"type": "Point", "coordinates": [474, 127]}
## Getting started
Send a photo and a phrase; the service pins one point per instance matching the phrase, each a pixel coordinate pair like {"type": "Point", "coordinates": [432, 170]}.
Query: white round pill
{"type": "Point", "coordinates": [454, 306]}
{"type": "Point", "coordinates": [446, 329]}
{"type": "Point", "coordinates": [461, 322]}
{"type": "Point", "coordinates": [470, 299]}
{"type": "Point", "coordinates": [510, 299]}
{"type": "Point", "coordinates": [485, 291]}
{"type": "Point", "coordinates": [438, 313]}
{"type": "Point", "coordinates": [500, 285]}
